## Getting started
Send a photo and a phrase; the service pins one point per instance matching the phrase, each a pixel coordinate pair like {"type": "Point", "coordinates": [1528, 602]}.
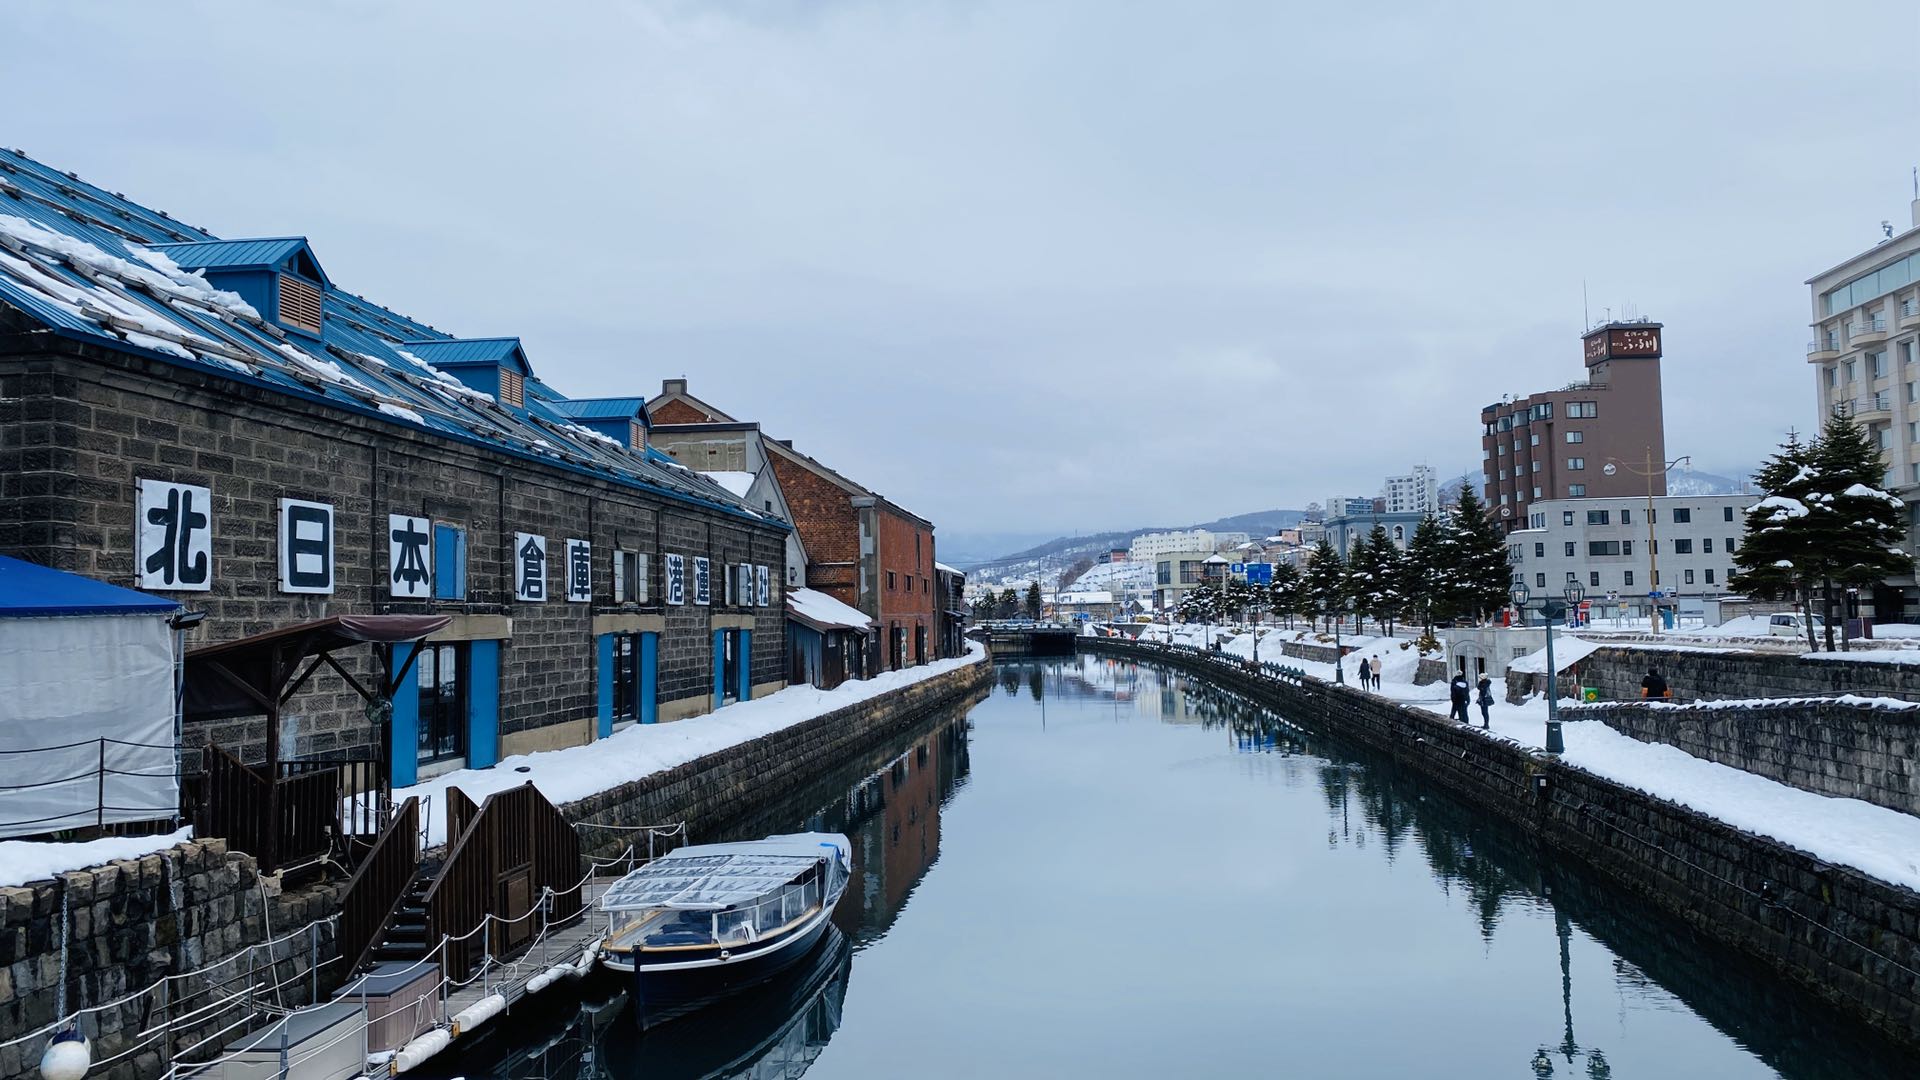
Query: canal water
{"type": "Point", "coordinates": [1105, 869]}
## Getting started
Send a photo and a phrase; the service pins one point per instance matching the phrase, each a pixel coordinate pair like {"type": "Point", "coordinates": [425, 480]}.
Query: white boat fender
{"type": "Point", "coordinates": [478, 1013]}
{"type": "Point", "coordinates": [587, 958]}
{"type": "Point", "coordinates": [68, 1056]}
{"type": "Point", "coordinates": [420, 1049]}
{"type": "Point", "coordinates": [548, 977]}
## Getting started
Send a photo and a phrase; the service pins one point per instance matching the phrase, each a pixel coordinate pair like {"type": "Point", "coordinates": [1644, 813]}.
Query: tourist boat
{"type": "Point", "coordinates": [709, 920]}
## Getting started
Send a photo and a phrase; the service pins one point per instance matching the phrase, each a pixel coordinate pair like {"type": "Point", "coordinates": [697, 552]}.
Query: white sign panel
{"type": "Point", "coordinates": [579, 570]}
{"type": "Point", "coordinates": [409, 557]}
{"type": "Point", "coordinates": [306, 546]}
{"type": "Point", "coordinates": [676, 575]}
{"type": "Point", "coordinates": [702, 580]}
{"type": "Point", "coordinates": [173, 524]}
{"type": "Point", "coordinates": [762, 586]}
{"type": "Point", "coordinates": [530, 567]}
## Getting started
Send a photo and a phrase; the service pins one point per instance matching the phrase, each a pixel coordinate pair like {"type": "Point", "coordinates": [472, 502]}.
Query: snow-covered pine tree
{"type": "Point", "coordinates": [1771, 562]}
{"type": "Point", "coordinates": [1324, 580]}
{"type": "Point", "coordinates": [1383, 563]}
{"type": "Point", "coordinates": [1283, 596]}
{"type": "Point", "coordinates": [1423, 578]}
{"type": "Point", "coordinates": [1859, 527]}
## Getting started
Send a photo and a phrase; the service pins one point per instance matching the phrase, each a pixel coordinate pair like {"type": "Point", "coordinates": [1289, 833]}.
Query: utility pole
{"type": "Point", "coordinates": [1649, 470]}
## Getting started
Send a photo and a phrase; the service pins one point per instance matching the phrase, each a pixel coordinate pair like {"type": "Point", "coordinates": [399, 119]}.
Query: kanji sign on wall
{"type": "Point", "coordinates": [675, 567]}
{"type": "Point", "coordinates": [530, 567]}
{"type": "Point", "coordinates": [174, 530]}
{"type": "Point", "coordinates": [702, 580]}
{"type": "Point", "coordinates": [306, 546]}
{"type": "Point", "coordinates": [579, 570]}
{"type": "Point", "coordinates": [762, 584]}
{"type": "Point", "coordinates": [409, 557]}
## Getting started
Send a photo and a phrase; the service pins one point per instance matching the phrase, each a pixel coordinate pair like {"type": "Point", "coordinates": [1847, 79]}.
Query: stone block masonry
{"type": "Point", "coordinates": [740, 781]}
{"type": "Point", "coordinates": [1706, 675]}
{"type": "Point", "coordinates": [1847, 749]}
{"type": "Point", "coordinates": [132, 922]}
{"type": "Point", "coordinates": [1850, 939]}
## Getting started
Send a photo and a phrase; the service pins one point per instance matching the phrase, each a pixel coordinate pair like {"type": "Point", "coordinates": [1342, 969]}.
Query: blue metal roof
{"type": "Point", "coordinates": [267, 252]}
{"type": "Point", "coordinates": [29, 589]}
{"type": "Point", "coordinates": [606, 408]}
{"type": "Point", "coordinates": [454, 352]}
{"type": "Point", "coordinates": [49, 221]}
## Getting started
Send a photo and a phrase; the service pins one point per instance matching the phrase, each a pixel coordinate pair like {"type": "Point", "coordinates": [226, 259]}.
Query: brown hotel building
{"type": "Point", "coordinates": [1558, 444]}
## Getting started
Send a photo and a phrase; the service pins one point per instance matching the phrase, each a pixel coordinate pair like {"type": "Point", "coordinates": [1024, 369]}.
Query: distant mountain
{"type": "Point", "coordinates": [1046, 561]}
{"type": "Point", "coordinates": [1695, 482]}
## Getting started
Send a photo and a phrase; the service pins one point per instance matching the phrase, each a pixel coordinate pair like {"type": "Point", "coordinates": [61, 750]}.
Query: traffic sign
{"type": "Point", "coordinates": [1238, 568]}
{"type": "Point", "coordinates": [1259, 573]}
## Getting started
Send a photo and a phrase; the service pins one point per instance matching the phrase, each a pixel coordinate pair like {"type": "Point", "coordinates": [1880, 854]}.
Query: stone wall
{"type": "Point", "coordinates": [1851, 939]}
{"type": "Point", "coordinates": [1700, 675]}
{"type": "Point", "coordinates": [1850, 750]}
{"type": "Point", "coordinates": [133, 921]}
{"type": "Point", "coordinates": [734, 783]}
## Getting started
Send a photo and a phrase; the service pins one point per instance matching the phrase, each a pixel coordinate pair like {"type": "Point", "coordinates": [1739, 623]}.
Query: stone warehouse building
{"type": "Point", "coordinates": [214, 421]}
{"type": "Point", "coordinates": [859, 547]}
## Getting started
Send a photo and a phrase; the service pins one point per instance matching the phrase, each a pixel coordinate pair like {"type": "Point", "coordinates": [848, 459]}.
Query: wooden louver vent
{"type": "Point", "coordinates": [636, 435]}
{"type": "Point", "coordinates": [513, 389]}
{"type": "Point", "coordinates": [299, 304]}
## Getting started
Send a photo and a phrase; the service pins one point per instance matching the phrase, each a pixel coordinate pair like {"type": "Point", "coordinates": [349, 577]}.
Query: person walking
{"type": "Point", "coordinates": [1459, 690]}
{"type": "Point", "coordinates": [1376, 675]}
{"type": "Point", "coordinates": [1485, 687]}
{"type": "Point", "coordinates": [1366, 675]}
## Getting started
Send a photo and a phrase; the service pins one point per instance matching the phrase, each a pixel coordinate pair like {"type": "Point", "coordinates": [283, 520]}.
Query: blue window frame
{"type": "Point", "coordinates": [449, 562]}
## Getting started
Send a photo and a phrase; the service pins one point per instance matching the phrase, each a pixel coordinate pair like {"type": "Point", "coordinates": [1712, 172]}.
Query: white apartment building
{"type": "Point", "coordinates": [1148, 547]}
{"type": "Point", "coordinates": [1865, 355]}
{"type": "Point", "coordinates": [1602, 544]}
{"type": "Point", "coordinates": [1418, 492]}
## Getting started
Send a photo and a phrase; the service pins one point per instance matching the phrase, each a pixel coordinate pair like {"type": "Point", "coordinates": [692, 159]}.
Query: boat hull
{"type": "Point", "coordinates": [662, 992]}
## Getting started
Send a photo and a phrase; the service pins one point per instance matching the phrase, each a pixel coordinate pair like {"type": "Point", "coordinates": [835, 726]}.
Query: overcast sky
{"type": "Point", "coordinates": [1039, 266]}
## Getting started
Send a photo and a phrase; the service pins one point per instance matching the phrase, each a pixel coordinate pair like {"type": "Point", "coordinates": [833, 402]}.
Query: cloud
{"type": "Point", "coordinates": [1038, 266]}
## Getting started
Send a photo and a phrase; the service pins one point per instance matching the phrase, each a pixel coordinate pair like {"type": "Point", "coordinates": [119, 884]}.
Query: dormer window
{"type": "Point", "coordinates": [299, 304]}
{"type": "Point", "coordinates": [513, 388]}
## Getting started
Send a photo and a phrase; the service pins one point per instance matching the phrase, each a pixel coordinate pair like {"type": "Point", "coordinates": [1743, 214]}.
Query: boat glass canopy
{"type": "Point", "coordinates": [709, 881]}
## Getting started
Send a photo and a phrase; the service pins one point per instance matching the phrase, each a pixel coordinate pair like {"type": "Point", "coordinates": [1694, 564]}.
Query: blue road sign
{"type": "Point", "coordinates": [1238, 568]}
{"type": "Point", "coordinates": [1259, 573]}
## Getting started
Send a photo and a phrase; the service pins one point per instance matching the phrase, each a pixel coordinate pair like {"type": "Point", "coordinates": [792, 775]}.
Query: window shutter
{"type": "Point", "coordinates": [299, 304]}
{"type": "Point", "coordinates": [513, 388]}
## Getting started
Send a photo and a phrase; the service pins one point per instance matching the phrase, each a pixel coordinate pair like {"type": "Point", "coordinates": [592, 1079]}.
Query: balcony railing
{"type": "Point", "coordinates": [1868, 326]}
{"type": "Point", "coordinates": [1861, 406]}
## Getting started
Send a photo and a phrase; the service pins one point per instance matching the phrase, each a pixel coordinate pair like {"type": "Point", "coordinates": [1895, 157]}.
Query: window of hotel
{"type": "Point", "coordinates": [1868, 286]}
{"type": "Point", "coordinates": [1536, 466]}
{"type": "Point", "coordinates": [1878, 362]}
{"type": "Point", "coordinates": [1709, 575]}
{"type": "Point", "coordinates": [1628, 582]}
{"type": "Point", "coordinates": [1503, 498]}
{"type": "Point", "coordinates": [1575, 491]}
{"type": "Point", "coordinates": [1683, 547]}
{"type": "Point", "coordinates": [1846, 370]}
{"type": "Point", "coordinates": [1163, 574]}
{"type": "Point", "coordinates": [1539, 581]}
{"type": "Point", "coordinates": [1539, 551]}
{"type": "Point", "coordinates": [1626, 516]}
{"type": "Point", "coordinates": [1906, 353]}
{"type": "Point", "coordinates": [1566, 517]}
{"type": "Point", "coordinates": [1603, 547]}
{"type": "Point", "coordinates": [1729, 545]}
{"type": "Point", "coordinates": [1682, 516]}
{"type": "Point", "coordinates": [1503, 449]}
{"type": "Point", "coordinates": [1576, 436]}
{"type": "Point", "coordinates": [1569, 549]}
{"type": "Point", "coordinates": [1598, 517]}
{"type": "Point", "coordinates": [1726, 513]}
{"type": "Point", "coordinates": [1536, 521]}
{"type": "Point", "coordinates": [891, 583]}
{"type": "Point", "coordinates": [1583, 410]}
{"type": "Point", "coordinates": [1576, 463]}
{"type": "Point", "coordinates": [1517, 445]}
{"type": "Point", "coordinates": [1503, 474]}
{"type": "Point", "coordinates": [1833, 376]}
{"type": "Point", "coordinates": [1533, 439]}
{"type": "Point", "coordinates": [1593, 578]}
{"type": "Point", "coordinates": [1536, 493]}
{"type": "Point", "coordinates": [1706, 545]}
{"type": "Point", "coordinates": [1189, 571]}
{"type": "Point", "coordinates": [1626, 547]}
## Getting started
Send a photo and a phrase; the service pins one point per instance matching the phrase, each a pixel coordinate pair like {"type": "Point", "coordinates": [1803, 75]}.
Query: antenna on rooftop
{"type": "Point", "coordinates": [1586, 316]}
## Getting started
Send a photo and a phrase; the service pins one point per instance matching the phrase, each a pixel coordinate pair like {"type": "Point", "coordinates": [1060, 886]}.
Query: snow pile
{"type": "Point", "coordinates": [325, 369]}
{"type": "Point", "coordinates": [22, 861]}
{"type": "Point", "coordinates": [577, 772]}
{"type": "Point", "coordinates": [1856, 700]}
{"type": "Point", "coordinates": [441, 380]}
{"type": "Point", "coordinates": [593, 436]}
{"type": "Point", "coordinates": [160, 274]}
{"type": "Point", "coordinates": [735, 482]}
{"type": "Point", "coordinates": [1869, 656]}
{"type": "Point", "coordinates": [401, 411]}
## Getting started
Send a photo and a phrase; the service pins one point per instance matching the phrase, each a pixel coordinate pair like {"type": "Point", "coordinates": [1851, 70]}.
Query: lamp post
{"type": "Point", "coordinates": [1334, 608]}
{"type": "Point", "coordinates": [1648, 470]}
{"type": "Point", "coordinates": [1550, 609]}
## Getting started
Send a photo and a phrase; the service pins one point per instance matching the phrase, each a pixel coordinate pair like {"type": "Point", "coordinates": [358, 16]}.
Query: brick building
{"type": "Point", "coordinates": [214, 421]}
{"type": "Point", "coordinates": [860, 548]}
{"type": "Point", "coordinates": [1584, 440]}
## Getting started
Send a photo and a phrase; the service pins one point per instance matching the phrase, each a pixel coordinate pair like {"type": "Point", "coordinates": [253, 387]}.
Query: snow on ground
{"type": "Point", "coordinates": [1873, 839]}
{"type": "Point", "coordinates": [1869, 656]}
{"type": "Point", "coordinates": [643, 749]}
{"type": "Point", "coordinates": [22, 861]}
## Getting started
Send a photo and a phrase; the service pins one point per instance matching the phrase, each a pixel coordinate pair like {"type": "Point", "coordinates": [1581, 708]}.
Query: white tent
{"type": "Point", "coordinates": [86, 703]}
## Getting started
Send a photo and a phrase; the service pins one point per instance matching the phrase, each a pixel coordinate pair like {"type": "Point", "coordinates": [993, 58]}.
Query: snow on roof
{"type": "Point", "coordinates": [1567, 651]}
{"type": "Point", "coordinates": [736, 482]}
{"type": "Point", "coordinates": [823, 612]}
{"type": "Point", "coordinates": [944, 568]}
{"type": "Point", "coordinates": [1091, 596]}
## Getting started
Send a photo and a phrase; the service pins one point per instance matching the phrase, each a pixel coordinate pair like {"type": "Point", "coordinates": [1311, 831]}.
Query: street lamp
{"type": "Point", "coordinates": [1649, 470]}
{"type": "Point", "coordinates": [1550, 609]}
{"type": "Point", "coordinates": [1337, 608]}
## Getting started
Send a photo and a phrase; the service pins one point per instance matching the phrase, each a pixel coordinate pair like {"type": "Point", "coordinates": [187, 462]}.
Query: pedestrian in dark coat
{"type": "Point", "coordinates": [1653, 686]}
{"type": "Point", "coordinates": [1460, 690]}
{"type": "Point", "coordinates": [1366, 675]}
{"type": "Point", "coordinates": [1485, 687]}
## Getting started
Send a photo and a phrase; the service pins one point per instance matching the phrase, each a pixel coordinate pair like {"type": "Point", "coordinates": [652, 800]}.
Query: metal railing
{"type": "Point", "coordinates": [104, 758]}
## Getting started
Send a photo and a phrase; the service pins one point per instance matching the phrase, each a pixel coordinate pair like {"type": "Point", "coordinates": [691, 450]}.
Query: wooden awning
{"type": "Point", "coordinates": [254, 676]}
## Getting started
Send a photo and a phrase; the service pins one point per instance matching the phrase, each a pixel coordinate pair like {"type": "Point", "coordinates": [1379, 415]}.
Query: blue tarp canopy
{"type": "Point", "coordinates": [29, 590]}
